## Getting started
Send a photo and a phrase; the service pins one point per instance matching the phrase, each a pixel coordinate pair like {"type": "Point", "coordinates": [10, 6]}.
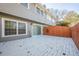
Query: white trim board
{"type": "Point", "coordinates": [3, 27]}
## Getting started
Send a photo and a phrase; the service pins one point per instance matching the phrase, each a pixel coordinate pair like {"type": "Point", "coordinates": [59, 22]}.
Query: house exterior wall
{"type": "Point", "coordinates": [19, 12]}
{"type": "Point", "coordinates": [15, 36]}
{"type": "Point", "coordinates": [16, 9]}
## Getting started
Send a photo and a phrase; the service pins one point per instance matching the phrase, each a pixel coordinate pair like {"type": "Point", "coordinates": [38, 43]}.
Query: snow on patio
{"type": "Point", "coordinates": [40, 45]}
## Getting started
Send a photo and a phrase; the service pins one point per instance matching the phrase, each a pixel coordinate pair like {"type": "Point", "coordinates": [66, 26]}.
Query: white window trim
{"type": "Point", "coordinates": [41, 29]}
{"type": "Point", "coordinates": [3, 27]}
{"type": "Point", "coordinates": [28, 5]}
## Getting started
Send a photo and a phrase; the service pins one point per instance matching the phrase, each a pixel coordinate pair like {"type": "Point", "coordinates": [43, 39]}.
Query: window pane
{"type": "Point", "coordinates": [25, 4]}
{"type": "Point", "coordinates": [38, 10]}
{"type": "Point", "coordinates": [42, 12]}
{"type": "Point", "coordinates": [21, 28]}
{"type": "Point", "coordinates": [10, 28]}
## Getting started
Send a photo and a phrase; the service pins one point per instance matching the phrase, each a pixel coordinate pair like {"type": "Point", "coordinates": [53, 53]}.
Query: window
{"type": "Point", "coordinates": [21, 28]}
{"type": "Point", "coordinates": [13, 27]}
{"type": "Point", "coordinates": [42, 12]}
{"type": "Point", "coordinates": [38, 10]}
{"type": "Point", "coordinates": [25, 5]}
{"type": "Point", "coordinates": [10, 27]}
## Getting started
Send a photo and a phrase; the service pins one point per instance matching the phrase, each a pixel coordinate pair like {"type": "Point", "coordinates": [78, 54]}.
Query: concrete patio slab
{"type": "Point", "coordinates": [39, 45]}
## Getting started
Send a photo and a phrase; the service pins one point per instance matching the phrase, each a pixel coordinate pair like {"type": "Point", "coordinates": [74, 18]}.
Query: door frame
{"type": "Point", "coordinates": [34, 24]}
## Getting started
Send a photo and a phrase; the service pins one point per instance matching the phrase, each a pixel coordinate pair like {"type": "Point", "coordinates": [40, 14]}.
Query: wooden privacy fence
{"type": "Point", "coordinates": [64, 32]}
{"type": "Point", "coordinates": [75, 34]}
{"type": "Point", "coordinates": [57, 31]}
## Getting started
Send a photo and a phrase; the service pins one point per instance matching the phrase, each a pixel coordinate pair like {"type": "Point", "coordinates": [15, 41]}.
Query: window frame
{"type": "Point", "coordinates": [42, 13]}
{"type": "Point", "coordinates": [38, 10]}
{"type": "Point", "coordinates": [28, 6]}
{"type": "Point", "coordinates": [26, 27]}
{"type": "Point", "coordinates": [34, 24]}
{"type": "Point", "coordinates": [3, 27]}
